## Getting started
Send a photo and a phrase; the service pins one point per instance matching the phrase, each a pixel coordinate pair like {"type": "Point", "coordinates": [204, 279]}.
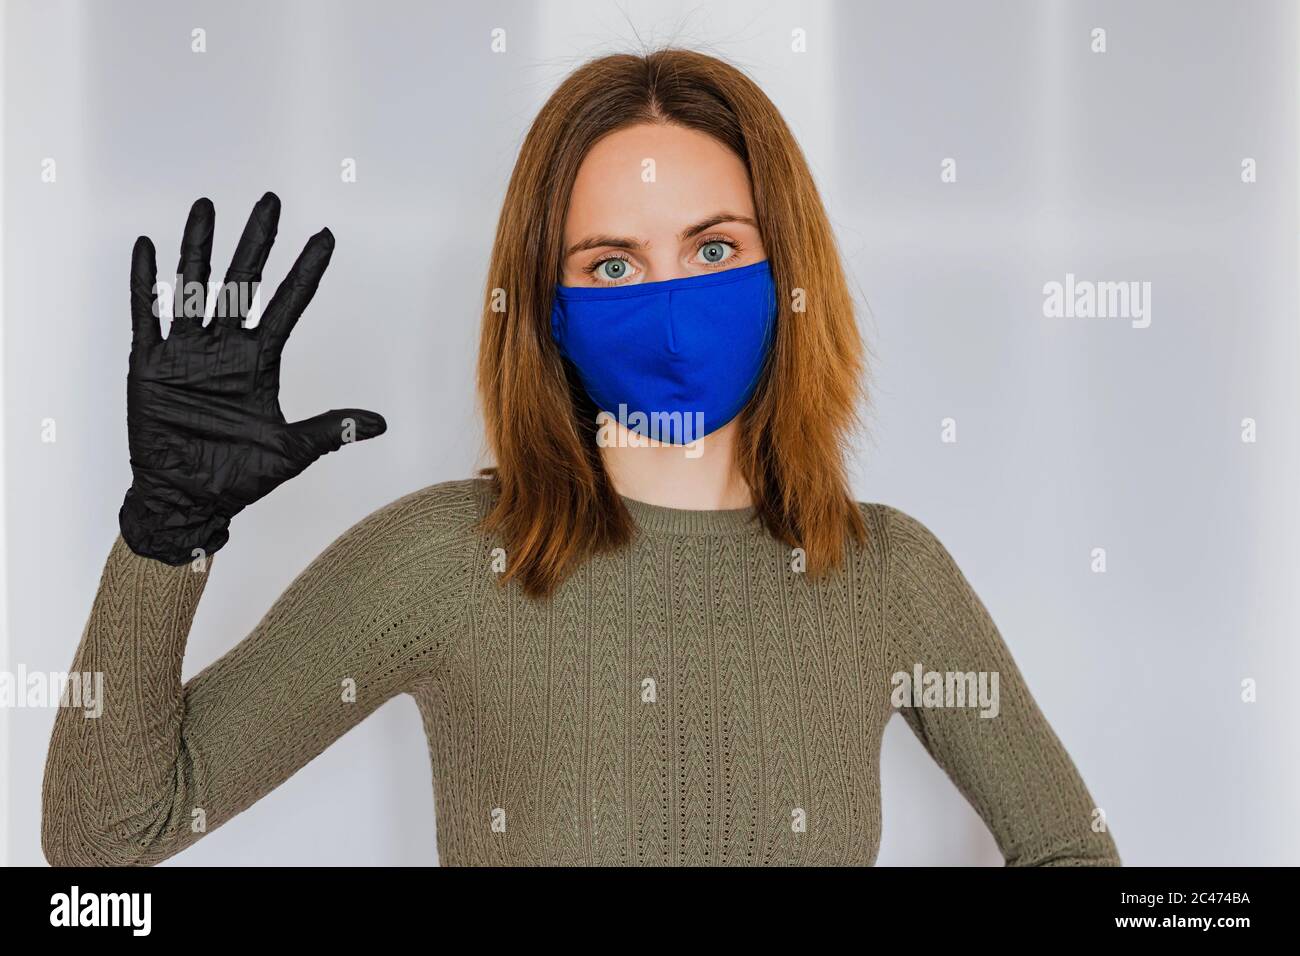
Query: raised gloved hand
{"type": "Point", "coordinates": [206, 432]}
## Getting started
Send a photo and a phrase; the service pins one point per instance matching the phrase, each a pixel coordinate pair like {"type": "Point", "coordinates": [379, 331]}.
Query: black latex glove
{"type": "Point", "coordinates": [203, 412]}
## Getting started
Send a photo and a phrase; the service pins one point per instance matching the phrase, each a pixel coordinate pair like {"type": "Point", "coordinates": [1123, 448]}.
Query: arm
{"type": "Point", "coordinates": [1011, 767]}
{"type": "Point", "coordinates": [164, 764]}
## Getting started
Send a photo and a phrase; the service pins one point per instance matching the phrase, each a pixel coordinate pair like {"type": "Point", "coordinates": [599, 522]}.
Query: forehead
{"type": "Point", "coordinates": [653, 179]}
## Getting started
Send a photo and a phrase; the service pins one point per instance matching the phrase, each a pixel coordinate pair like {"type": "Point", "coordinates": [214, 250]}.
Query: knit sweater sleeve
{"type": "Point", "coordinates": [165, 763]}
{"type": "Point", "coordinates": [1009, 765]}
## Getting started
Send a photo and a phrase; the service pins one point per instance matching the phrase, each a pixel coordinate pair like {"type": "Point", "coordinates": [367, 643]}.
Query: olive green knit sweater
{"type": "Point", "coordinates": [692, 699]}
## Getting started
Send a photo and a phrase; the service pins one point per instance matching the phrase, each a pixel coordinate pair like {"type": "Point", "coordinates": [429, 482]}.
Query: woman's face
{"type": "Point", "coordinates": [656, 202]}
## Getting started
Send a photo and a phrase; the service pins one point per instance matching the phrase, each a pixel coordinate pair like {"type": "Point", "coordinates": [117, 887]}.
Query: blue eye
{"type": "Point", "coordinates": [715, 252]}
{"type": "Point", "coordinates": [611, 270]}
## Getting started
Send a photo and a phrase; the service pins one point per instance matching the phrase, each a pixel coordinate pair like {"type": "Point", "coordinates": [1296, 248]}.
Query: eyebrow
{"type": "Point", "coordinates": [624, 242]}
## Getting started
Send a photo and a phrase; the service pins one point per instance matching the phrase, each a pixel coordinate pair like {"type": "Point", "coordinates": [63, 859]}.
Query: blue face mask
{"type": "Point", "coordinates": [671, 360]}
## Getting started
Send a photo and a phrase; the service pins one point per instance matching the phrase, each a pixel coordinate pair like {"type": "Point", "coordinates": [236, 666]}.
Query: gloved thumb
{"type": "Point", "coordinates": [330, 431]}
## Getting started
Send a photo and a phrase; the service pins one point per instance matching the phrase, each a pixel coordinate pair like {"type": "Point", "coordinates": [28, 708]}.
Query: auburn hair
{"type": "Point", "coordinates": [554, 504]}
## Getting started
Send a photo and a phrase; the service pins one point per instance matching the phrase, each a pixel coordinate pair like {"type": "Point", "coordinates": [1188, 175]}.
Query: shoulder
{"type": "Point", "coordinates": [439, 518]}
{"type": "Point", "coordinates": [901, 538]}
{"type": "Point", "coordinates": [453, 506]}
{"type": "Point", "coordinates": [893, 525]}
{"type": "Point", "coordinates": [929, 598]}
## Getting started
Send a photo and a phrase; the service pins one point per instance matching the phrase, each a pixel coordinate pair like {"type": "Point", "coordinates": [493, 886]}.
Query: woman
{"type": "Point", "coordinates": [658, 631]}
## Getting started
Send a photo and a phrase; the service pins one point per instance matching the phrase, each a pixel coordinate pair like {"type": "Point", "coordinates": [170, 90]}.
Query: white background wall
{"type": "Point", "coordinates": [1072, 433]}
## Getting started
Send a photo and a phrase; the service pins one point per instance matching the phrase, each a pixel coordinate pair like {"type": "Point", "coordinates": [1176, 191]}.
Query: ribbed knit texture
{"type": "Point", "coordinates": [691, 699]}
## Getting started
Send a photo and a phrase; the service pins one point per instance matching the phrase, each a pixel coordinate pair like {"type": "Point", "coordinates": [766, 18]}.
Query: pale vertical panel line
{"type": "Point", "coordinates": [1050, 78]}
{"type": "Point", "coordinates": [816, 129]}
{"type": "Point", "coordinates": [1283, 491]}
{"type": "Point", "coordinates": [1294, 611]}
{"type": "Point", "coordinates": [5, 746]}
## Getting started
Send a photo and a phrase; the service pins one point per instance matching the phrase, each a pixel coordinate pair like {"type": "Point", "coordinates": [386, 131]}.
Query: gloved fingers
{"type": "Point", "coordinates": [297, 289]}
{"type": "Point", "coordinates": [145, 330]}
{"type": "Point", "coordinates": [195, 266]}
{"type": "Point", "coordinates": [250, 257]}
{"type": "Point", "coordinates": [330, 431]}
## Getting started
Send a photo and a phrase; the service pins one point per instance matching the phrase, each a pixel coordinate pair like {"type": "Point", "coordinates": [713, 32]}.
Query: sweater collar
{"type": "Point", "coordinates": [658, 519]}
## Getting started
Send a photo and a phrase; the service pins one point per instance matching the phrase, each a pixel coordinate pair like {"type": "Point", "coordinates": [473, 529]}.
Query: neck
{"type": "Point", "coordinates": [701, 477]}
